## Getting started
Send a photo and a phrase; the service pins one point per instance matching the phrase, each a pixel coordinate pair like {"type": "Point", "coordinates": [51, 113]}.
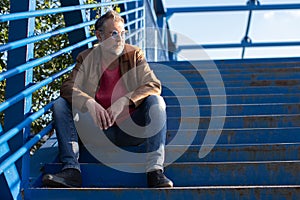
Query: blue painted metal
{"type": "Point", "coordinates": [19, 43]}
{"type": "Point", "coordinates": [219, 153]}
{"type": "Point", "coordinates": [24, 149]}
{"type": "Point", "coordinates": [237, 45]}
{"type": "Point", "coordinates": [34, 63]}
{"type": "Point", "coordinates": [24, 15]}
{"type": "Point", "coordinates": [263, 114]}
{"type": "Point", "coordinates": [72, 18]}
{"type": "Point", "coordinates": [127, 12]}
{"type": "Point", "coordinates": [246, 37]}
{"type": "Point", "coordinates": [18, 29]}
{"type": "Point", "coordinates": [134, 22]}
{"type": "Point", "coordinates": [235, 110]}
{"type": "Point", "coordinates": [191, 174]}
{"type": "Point", "coordinates": [252, 5]}
{"type": "Point", "coordinates": [235, 90]}
{"type": "Point", "coordinates": [8, 168]}
{"type": "Point", "coordinates": [243, 135]}
{"type": "Point", "coordinates": [231, 122]}
{"type": "Point", "coordinates": [28, 91]}
{"type": "Point", "coordinates": [27, 121]}
{"type": "Point", "coordinates": [237, 99]}
{"type": "Point", "coordinates": [191, 193]}
{"type": "Point", "coordinates": [171, 11]}
{"type": "Point", "coordinates": [11, 175]}
{"type": "Point", "coordinates": [134, 28]}
{"type": "Point", "coordinates": [22, 42]}
{"type": "Point", "coordinates": [8, 164]}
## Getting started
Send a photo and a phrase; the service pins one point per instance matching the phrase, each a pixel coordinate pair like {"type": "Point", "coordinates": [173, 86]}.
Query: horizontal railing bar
{"type": "Point", "coordinates": [25, 41]}
{"type": "Point", "coordinates": [134, 21]}
{"type": "Point", "coordinates": [25, 148]}
{"type": "Point", "coordinates": [34, 63]}
{"type": "Point", "coordinates": [132, 11]}
{"type": "Point", "coordinates": [238, 45]}
{"type": "Point", "coordinates": [37, 13]}
{"type": "Point", "coordinates": [134, 33]}
{"type": "Point", "coordinates": [11, 101]}
{"type": "Point", "coordinates": [171, 11]}
{"type": "Point", "coordinates": [12, 132]}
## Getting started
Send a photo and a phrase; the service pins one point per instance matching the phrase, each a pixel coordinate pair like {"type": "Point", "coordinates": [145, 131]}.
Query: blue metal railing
{"type": "Point", "coordinates": [246, 42]}
{"type": "Point", "coordinates": [8, 158]}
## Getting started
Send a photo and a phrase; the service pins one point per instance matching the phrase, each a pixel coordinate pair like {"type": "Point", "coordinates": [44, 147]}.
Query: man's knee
{"type": "Point", "coordinates": [60, 105]}
{"type": "Point", "coordinates": [156, 100]}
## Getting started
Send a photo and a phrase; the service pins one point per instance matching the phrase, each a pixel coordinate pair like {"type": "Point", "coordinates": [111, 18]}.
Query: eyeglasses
{"type": "Point", "coordinates": [115, 34]}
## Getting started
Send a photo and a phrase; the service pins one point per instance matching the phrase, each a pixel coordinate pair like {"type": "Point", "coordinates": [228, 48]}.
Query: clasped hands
{"type": "Point", "coordinates": [105, 118]}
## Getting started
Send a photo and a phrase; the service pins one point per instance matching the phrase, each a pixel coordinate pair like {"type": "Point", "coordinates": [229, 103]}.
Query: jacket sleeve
{"type": "Point", "coordinates": [73, 88]}
{"type": "Point", "coordinates": [147, 82]}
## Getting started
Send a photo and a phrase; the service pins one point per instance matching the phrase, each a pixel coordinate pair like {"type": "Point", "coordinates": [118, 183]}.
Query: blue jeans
{"type": "Point", "coordinates": [67, 134]}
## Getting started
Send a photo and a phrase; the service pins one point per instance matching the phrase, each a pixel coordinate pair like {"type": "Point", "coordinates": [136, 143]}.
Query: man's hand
{"type": "Point", "coordinates": [117, 107]}
{"type": "Point", "coordinates": [100, 116]}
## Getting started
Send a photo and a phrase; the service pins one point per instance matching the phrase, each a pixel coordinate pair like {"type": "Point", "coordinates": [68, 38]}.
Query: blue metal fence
{"type": "Point", "coordinates": [246, 42]}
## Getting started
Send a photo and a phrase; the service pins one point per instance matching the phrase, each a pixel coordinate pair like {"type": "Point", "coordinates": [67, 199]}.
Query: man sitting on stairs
{"type": "Point", "coordinates": [110, 86]}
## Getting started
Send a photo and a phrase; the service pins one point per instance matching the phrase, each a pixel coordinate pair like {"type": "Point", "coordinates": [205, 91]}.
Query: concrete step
{"type": "Point", "coordinates": [192, 193]}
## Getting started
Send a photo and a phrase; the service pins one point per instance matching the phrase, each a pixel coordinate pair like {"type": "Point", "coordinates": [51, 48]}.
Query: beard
{"type": "Point", "coordinates": [117, 49]}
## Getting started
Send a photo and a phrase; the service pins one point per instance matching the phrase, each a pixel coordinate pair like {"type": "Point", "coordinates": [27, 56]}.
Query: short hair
{"type": "Point", "coordinates": [111, 14]}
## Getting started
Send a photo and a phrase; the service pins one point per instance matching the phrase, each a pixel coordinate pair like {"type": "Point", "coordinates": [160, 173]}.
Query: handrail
{"type": "Point", "coordinates": [13, 100]}
{"type": "Point", "coordinates": [34, 63]}
{"type": "Point", "coordinates": [12, 132]}
{"type": "Point", "coordinates": [25, 41]}
{"type": "Point", "coordinates": [134, 33]}
{"type": "Point", "coordinates": [252, 5]}
{"type": "Point", "coordinates": [25, 148]}
{"type": "Point", "coordinates": [37, 13]}
{"type": "Point", "coordinates": [134, 21]}
{"type": "Point", "coordinates": [171, 11]}
{"type": "Point", "coordinates": [132, 11]}
{"type": "Point", "coordinates": [237, 45]}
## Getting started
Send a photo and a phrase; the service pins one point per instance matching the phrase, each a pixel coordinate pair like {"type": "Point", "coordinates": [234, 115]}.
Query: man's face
{"type": "Point", "coordinates": [113, 37]}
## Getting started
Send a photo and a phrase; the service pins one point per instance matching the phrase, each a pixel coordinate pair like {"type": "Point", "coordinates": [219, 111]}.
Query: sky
{"type": "Point", "coordinates": [230, 27]}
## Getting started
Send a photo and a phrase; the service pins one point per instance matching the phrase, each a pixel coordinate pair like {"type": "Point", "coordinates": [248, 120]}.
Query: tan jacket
{"type": "Point", "coordinates": [84, 80]}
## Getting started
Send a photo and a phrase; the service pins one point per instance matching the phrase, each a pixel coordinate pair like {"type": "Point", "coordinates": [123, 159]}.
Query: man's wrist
{"type": "Point", "coordinates": [89, 103]}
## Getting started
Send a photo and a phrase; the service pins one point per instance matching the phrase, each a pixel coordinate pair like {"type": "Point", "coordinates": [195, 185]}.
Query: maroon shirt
{"type": "Point", "coordinates": [111, 89]}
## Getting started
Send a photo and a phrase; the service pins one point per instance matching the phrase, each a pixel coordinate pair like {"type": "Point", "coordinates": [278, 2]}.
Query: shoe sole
{"type": "Point", "coordinates": [165, 185]}
{"type": "Point", "coordinates": [54, 181]}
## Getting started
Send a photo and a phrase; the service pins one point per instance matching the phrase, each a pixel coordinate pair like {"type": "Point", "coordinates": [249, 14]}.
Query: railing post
{"type": "Point", "coordinates": [18, 29]}
{"type": "Point", "coordinates": [131, 17]}
{"type": "Point", "coordinates": [73, 18]}
{"type": "Point", "coordinates": [143, 26]}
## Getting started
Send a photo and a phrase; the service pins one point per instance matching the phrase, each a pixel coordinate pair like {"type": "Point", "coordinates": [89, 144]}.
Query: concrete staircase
{"type": "Point", "coordinates": [257, 155]}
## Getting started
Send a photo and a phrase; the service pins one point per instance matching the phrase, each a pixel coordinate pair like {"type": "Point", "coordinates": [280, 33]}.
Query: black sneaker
{"type": "Point", "coordinates": [67, 178]}
{"type": "Point", "coordinates": [157, 179]}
